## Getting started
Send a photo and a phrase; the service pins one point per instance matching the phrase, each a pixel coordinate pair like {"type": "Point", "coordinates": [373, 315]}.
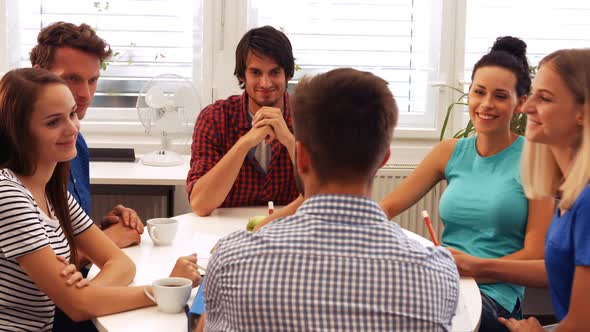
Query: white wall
{"type": "Point", "coordinates": [3, 38]}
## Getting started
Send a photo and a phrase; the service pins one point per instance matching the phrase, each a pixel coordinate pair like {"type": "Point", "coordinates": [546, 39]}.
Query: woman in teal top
{"type": "Point", "coordinates": [555, 163]}
{"type": "Point", "coordinates": [483, 208]}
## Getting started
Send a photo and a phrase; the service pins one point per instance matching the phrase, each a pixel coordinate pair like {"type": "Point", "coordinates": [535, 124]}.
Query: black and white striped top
{"type": "Point", "coordinates": [24, 228]}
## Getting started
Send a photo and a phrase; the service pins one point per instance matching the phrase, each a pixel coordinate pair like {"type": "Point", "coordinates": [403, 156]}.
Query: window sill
{"type": "Point", "coordinates": [403, 152]}
{"type": "Point", "coordinates": [409, 146]}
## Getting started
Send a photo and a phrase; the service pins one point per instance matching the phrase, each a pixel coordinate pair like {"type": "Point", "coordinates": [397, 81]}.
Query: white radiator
{"type": "Point", "coordinates": [391, 176]}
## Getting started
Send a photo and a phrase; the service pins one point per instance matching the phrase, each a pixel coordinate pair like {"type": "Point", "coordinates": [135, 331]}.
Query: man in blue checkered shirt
{"type": "Point", "coordinates": [337, 264]}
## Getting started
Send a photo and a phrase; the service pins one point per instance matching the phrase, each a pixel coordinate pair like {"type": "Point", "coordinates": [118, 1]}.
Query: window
{"type": "Point", "coordinates": [148, 38]}
{"type": "Point", "coordinates": [393, 39]}
{"type": "Point", "coordinates": [414, 45]}
{"type": "Point", "coordinates": [545, 26]}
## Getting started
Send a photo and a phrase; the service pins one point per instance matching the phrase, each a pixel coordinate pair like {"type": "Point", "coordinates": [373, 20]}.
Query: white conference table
{"type": "Point", "coordinates": [199, 234]}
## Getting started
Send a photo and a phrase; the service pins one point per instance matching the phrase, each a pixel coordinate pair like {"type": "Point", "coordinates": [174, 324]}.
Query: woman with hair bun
{"type": "Point", "coordinates": [484, 208]}
{"type": "Point", "coordinates": [555, 164]}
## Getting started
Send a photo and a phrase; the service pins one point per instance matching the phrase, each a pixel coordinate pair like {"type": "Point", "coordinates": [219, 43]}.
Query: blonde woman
{"type": "Point", "coordinates": [556, 163]}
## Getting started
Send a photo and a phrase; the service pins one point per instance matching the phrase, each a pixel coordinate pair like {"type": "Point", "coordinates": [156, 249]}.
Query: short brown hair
{"type": "Point", "coordinates": [19, 91]}
{"type": "Point", "coordinates": [62, 34]}
{"type": "Point", "coordinates": [345, 118]}
{"type": "Point", "coordinates": [264, 41]}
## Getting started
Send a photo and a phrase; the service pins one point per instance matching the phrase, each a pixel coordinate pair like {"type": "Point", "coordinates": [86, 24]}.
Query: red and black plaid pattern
{"type": "Point", "coordinates": [218, 128]}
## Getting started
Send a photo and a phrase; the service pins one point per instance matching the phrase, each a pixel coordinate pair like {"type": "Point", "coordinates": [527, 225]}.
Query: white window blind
{"type": "Point", "coordinates": [395, 39]}
{"type": "Point", "coordinates": [545, 26]}
{"type": "Point", "coordinates": [412, 44]}
{"type": "Point", "coordinates": [148, 38]}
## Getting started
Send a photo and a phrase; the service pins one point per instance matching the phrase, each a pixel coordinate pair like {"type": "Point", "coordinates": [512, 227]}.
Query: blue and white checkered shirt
{"type": "Point", "coordinates": [338, 264]}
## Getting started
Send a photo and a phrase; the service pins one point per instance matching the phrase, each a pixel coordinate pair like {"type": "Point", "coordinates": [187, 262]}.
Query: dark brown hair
{"type": "Point", "coordinates": [509, 53]}
{"type": "Point", "coordinates": [62, 34]}
{"type": "Point", "coordinates": [264, 41]}
{"type": "Point", "coordinates": [19, 91]}
{"type": "Point", "coordinates": [345, 118]}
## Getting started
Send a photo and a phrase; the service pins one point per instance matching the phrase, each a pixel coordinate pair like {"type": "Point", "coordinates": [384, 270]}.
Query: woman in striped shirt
{"type": "Point", "coordinates": [41, 222]}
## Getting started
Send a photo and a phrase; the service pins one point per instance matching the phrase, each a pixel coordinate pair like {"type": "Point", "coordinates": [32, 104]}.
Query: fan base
{"type": "Point", "coordinates": [162, 158]}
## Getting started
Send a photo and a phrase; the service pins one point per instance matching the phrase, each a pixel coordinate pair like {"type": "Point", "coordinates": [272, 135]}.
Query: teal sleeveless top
{"type": "Point", "coordinates": [484, 208]}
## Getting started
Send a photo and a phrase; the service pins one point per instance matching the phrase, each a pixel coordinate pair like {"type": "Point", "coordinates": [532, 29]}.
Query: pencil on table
{"type": "Point", "coordinates": [429, 226]}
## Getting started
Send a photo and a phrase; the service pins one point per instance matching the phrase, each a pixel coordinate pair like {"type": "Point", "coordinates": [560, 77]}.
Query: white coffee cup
{"type": "Point", "coordinates": [170, 294]}
{"type": "Point", "coordinates": [162, 230]}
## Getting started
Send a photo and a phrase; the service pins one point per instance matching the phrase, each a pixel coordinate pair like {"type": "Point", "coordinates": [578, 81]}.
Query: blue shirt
{"type": "Point", "coordinates": [484, 208]}
{"type": "Point", "coordinates": [337, 264]}
{"type": "Point", "coordinates": [79, 184]}
{"type": "Point", "coordinates": [567, 246]}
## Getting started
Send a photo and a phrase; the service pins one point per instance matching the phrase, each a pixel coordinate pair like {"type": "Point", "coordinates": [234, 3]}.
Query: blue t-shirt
{"type": "Point", "coordinates": [567, 246]}
{"type": "Point", "coordinates": [79, 184]}
{"type": "Point", "coordinates": [484, 208]}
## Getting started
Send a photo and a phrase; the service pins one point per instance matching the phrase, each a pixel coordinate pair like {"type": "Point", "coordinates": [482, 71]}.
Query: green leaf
{"type": "Point", "coordinates": [446, 122]}
{"type": "Point", "coordinates": [447, 116]}
{"type": "Point", "coordinates": [460, 101]}
{"type": "Point", "coordinates": [463, 93]}
{"type": "Point", "coordinates": [469, 130]}
{"type": "Point", "coordinates": [518, 123]}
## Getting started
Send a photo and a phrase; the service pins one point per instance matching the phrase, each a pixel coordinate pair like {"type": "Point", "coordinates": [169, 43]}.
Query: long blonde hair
{"type": "Point", "coordinates": [540, 174]}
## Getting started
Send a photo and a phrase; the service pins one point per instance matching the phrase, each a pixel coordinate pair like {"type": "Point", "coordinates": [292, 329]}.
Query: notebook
{"type": "Point", "coordinates": [198, 306]}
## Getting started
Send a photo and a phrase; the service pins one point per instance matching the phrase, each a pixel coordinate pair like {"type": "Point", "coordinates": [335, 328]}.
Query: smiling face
{"type": "Point", "coordinates": [554, 116]}
{"type": "Point", "coordinates": [265, 82]}
{"type": "Point", "coordinates": [81, 71]}
{"type": "Point", "coordinates": [54, 125]}
{"type": "Point", "coordinates": [492, 100]}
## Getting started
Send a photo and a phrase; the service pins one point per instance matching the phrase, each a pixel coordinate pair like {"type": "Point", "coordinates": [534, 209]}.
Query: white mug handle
{"type": "Point", "coordinates": [153, 231]}
{"type": "Point", "coordinates": [147, 293]}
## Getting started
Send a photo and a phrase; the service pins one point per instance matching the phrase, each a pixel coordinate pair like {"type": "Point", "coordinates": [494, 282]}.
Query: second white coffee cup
{"type": "Point", "coordinates": [162, 230]}
{"type": "Point", "coordinates": [170, 294]}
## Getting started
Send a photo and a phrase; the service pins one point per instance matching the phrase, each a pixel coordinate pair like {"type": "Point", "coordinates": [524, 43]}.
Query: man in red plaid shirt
{"type": "Point", "coordinates": [243, 146]}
